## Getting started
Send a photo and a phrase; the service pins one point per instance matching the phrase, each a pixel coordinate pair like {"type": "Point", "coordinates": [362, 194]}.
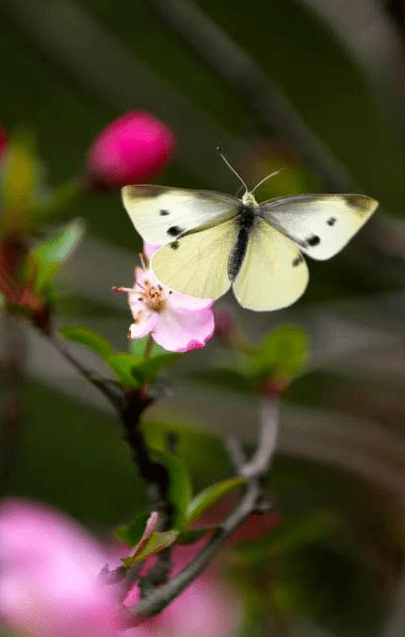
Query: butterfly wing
{"type": "Point", "coordinates": [161, 214]}
{"type": "Point", "coordinates": [273, 273]}
{"type": "Point", "coordinates": [196, 264]}
{"type": "Point", "coordinates": [321, 225]}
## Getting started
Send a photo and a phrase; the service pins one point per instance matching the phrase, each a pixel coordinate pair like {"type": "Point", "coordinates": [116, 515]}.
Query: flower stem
{"type": "Point", "coordinates": [148, 347]}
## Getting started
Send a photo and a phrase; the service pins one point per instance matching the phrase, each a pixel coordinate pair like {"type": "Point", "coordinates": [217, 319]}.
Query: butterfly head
{"type": "Point", "coordinates": [249, 200]}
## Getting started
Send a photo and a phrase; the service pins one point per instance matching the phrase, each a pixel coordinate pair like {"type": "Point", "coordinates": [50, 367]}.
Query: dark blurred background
{"type": "Point", "coordinates": [316, 87]}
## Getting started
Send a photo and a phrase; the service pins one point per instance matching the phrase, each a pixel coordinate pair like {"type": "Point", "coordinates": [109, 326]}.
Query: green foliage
{"type": "Point", "coordinates": [131, 533]}
{"type": "Point", "coordinates": [147, 370]}
{"type": "Point", "coordinates": [157, 541]}
{"type": "Point", "coordinates": [209, 496]}
{"type": "Point", "coordinates": [193, 535]}
{"type": "Point", "coordinates": [90, 339]}
{"type": "Point", "coordinates": [179, 488]}
{"type": "Point", "coordinates": [51, 253]}
{"type": "Point", "coordinates": [123, 366]}
{"type": "Point", "coordinates": [282, 354]}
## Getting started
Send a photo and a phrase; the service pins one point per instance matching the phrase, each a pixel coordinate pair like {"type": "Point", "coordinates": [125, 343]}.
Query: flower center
{"type": "Point", "coordinates": [152, 296]}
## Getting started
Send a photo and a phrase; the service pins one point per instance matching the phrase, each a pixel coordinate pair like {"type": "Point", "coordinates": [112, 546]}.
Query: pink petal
{"type": "Point", "coordinates": [179, 301]}
{"type": "Point", "coordinates": [182, 331]}
{"type": "Point", "coordinates": [149, 249]}
{"type": "Point", "coordinates": [145, 326]}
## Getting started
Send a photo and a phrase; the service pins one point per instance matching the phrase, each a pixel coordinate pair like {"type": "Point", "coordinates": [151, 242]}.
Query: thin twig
{"type": "Point", "coordinates": [156, 599]}
{"type": "Point", "coordinates": [115, 397]}
{"type": "Point", "coordinates": [159, 598]}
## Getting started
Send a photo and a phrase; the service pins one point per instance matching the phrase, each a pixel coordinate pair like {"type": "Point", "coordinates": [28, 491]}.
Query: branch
{"type": "Point", "coordinates": [116, 398]}
{"type": "Point", "coordinates": [157, 599]}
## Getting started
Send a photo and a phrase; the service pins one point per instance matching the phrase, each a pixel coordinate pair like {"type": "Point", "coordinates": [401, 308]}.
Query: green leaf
{"type": "Point", "coordinates": [147, 370]}
{"type": "Point", "coordinates": [158, 541]}
{"type": "Point", "coordinates": [292, 535]}
{"type": "Point", "coordinates": [93, 341]}
{"type": "Point", "coordinates": [123, 365]}
{"type": "Point", "coordinates": [138, 347]}
{"type": "Point", "coordinates": [281, 354]}
{"type": "Point", "coordinates": [206, 498]}
{"type": "Point", "coordinates": [51, 253]}
{"type": "Point", "coordinates": [192, 535]}
{"type": "Point", "coordinates": [179, 490]}
{"type": "Point", "coordinates": [132, 532]}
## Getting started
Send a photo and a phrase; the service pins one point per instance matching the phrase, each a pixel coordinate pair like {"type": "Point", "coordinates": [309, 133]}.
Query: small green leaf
{"type": "Point", "coordinates": [158, 541]}
{"type": "Point", "coordinates": [51, 253]}
{"type": "Point", "coordinates": [281, 354]}
{"type": "Point", "coordinates": [122, 365]}
{"type": "Point", "coordinates": [93, 341]}
{"type": "Point", "coordinates": [192, 535]}
{"type": "Point", "coordinates": [205, 499]}
{"type": "Point", "coordinates": [132, 532]}
{"type": "Point", "coordinates": [179, 491]}
{"type": "Point", "coordinates": [147, 370]}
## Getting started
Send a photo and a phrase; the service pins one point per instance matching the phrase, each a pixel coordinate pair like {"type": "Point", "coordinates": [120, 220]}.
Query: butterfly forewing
{"type": "Point", "coordinates": [161, 214]}
{"type": "Point", "coordinates": [320, 225]}
{"type": "Point", "coordinates": [197, 263]}
{"type": "Point", "coordinates": [273, 273]}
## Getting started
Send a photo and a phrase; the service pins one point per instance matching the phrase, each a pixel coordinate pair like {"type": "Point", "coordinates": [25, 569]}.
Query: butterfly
{"type": "Point", "coordinates": [211, 241]}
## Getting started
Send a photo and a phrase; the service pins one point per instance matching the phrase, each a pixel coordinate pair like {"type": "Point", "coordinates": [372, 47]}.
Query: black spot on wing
{"type": "Point", "coordinates": [163, 213]}
{"type": "Point", "coordinates": [174, 231]}
{"type": "Point", "coordinates": [331, 221]}
{"type": "Point", "coordinates": [174, 245]}
{"type": "Point", "coordinates": [298, 260]}
{"type": "Point", "coordinates": [313, 241]}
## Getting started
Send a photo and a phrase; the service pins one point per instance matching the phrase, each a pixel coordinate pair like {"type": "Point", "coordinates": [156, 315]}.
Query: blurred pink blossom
{"type": "Point", "coordinates": [177, 322]}
{"type": "Point", "coordinates": [50, 585]}
{"type": "Point", "coordinates": [132, 149]}
{"type": "Point", "coordinates": [48, 575]}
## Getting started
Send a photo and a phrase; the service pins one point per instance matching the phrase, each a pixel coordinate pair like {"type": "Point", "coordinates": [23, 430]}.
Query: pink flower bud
{"type": "Point", "coordinates": [132, 149]}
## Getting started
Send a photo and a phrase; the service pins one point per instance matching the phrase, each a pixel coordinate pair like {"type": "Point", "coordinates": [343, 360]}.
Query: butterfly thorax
{"type": "Point", "coordinates": [247, 218]}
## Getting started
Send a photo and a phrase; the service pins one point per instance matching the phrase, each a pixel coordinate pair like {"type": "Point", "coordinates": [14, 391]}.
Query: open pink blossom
{"type": "Point", "coordinates": [177, 322]}
{"type": "Point", "coordinates": [132, 149]}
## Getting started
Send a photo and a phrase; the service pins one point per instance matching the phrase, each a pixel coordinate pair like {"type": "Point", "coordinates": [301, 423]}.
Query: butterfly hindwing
{"type": "Point", "coordinates": [320, 225]}
{"type": "Point", "coordinates": [273, 273]}
{"type": "Point", "coordinates": [197, 263]}
{"type": "Point", "coordinates": [161, 214]}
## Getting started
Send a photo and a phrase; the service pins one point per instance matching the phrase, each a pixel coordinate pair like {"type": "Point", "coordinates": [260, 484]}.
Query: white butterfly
{"type": "Point", "coordinates": [212, 241]}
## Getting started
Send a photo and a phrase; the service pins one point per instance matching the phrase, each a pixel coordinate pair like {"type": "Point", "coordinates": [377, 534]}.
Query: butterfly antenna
{"type": "Point", "coordinates": [232, 168]}
{"type": "Point", "coordinates": [266, 178]}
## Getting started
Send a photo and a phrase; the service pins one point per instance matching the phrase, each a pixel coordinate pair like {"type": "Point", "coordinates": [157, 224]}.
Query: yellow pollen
{"type": "Point", "coordinates": [152, 297]}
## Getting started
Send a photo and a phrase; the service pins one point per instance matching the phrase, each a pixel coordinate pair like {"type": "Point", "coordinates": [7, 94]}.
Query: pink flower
{"type": "Point", "coordinates": [48, 575]}
{"type": "Point", "coordinates": [177, 322]}
{"type": "Point", "coordinates": [132, 149]}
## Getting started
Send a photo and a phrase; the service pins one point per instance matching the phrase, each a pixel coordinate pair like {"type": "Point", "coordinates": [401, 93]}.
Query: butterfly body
{"type": "Point", "coordinates": [212, 241]}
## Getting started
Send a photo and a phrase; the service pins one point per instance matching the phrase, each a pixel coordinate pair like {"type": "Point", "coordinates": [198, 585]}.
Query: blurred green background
{"type": "Point", "coordinates": [315, 87]}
